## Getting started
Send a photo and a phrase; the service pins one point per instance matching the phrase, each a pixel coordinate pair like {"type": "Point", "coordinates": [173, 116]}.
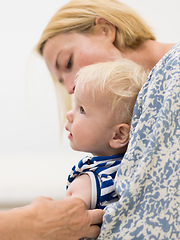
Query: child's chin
{"type": "Point", "coordinates": [75, 148]}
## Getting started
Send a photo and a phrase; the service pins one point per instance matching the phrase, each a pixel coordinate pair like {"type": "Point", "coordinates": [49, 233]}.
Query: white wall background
{"type": "Point", "coordinates": [32, 161]}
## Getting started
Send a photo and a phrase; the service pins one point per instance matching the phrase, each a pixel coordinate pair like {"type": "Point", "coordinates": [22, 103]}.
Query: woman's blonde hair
{"type": "Point", "coordinates": [120, 81]}
{"type": "Point", "coordinates": [80, 16]}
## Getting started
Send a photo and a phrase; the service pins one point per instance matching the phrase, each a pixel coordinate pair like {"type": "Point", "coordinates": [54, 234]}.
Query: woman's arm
{"type": "Point", "coordinates": [80, 188]}
{"type": "Point", "coordinates": [45, 219]}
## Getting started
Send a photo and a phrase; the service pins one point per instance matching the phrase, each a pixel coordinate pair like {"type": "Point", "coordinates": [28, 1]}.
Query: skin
{"type": "Point", "coordinates": [80, 188]}
{"type": "Point", "coordinates": [45, 219]}
{"type": "Point", "coordinates": [65, 57]}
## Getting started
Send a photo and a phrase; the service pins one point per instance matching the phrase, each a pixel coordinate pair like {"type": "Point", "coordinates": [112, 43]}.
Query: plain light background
{"type": "Point", "coordinates": [33, 162]}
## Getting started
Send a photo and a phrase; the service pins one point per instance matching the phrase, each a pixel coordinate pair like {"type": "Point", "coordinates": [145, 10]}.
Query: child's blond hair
{"type": "Point", "coordinates": [120, 81]}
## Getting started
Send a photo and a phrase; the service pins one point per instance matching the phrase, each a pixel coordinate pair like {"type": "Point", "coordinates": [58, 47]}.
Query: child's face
{"type": "Point", "coordinates": [89, 123]}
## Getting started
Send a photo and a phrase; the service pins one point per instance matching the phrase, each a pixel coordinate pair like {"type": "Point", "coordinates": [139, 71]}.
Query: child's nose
{"type": "Point", "coordinates": [69, 116]}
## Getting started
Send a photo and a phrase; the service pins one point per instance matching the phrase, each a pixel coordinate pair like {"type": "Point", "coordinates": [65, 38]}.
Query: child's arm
{"type": "Point", "coordinates": [81, 188]}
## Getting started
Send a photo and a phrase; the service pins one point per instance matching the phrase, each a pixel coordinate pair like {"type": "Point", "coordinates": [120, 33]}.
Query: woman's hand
{"type": "Point", "coordinates": [45, 219]}
{"type": "Point", "coordinates": [65, 219]}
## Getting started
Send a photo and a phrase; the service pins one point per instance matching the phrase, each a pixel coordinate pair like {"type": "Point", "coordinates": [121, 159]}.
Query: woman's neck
{"type": "Point", "coordinates": [148, 53]}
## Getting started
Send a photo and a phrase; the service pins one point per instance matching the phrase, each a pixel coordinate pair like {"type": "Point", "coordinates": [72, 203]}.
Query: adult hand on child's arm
{"type": "Point", "coordinates": [45, 219]}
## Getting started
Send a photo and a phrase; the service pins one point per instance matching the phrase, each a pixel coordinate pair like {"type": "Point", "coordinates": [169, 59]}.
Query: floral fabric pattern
{"type": "Point", "coordinates": [148, 179]}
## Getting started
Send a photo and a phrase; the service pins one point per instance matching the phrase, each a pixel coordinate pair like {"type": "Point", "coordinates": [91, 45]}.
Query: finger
{"type": "Point", "coordinates": [93, 231]}
{"type": "Point", "coordinates": [96, 216]}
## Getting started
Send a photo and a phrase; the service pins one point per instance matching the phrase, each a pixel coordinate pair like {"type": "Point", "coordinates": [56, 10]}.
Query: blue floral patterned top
{"type": "Point", "coordinates": [148, 179]}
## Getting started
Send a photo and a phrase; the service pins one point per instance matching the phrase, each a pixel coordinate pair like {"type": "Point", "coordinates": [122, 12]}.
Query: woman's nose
{"type": "Point", "coordinates": [69, 84]}
{"type": "Point", "coordinates": [69, 116]}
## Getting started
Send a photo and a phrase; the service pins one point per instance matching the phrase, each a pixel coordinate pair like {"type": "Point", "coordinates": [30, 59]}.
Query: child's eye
{"type": "Point", "coordinates": [69, 65]}
{"type": "Point", "coordinates": [82, 110]}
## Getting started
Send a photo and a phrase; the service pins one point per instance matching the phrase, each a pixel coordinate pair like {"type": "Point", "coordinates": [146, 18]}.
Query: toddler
{"type": "Point", "coordinates": [99, 123]}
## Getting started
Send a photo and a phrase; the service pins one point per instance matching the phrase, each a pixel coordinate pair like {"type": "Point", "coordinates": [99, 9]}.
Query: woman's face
{"type": "Point", "coordinates": [66, 53]}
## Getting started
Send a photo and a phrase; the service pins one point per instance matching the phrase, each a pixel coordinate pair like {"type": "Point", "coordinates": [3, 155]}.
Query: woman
{"type": "Point", "coordinates": [85, 32]}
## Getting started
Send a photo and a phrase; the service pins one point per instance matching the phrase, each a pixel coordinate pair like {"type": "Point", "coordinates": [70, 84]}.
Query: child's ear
{"type": "Point", "coordinates": [108, 28]}
{"type": "Point", "coordinates": [120, 136]}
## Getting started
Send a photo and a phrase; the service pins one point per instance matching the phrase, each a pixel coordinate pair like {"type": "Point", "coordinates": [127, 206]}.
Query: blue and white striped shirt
{"type": "Point", "coordinates": [102, 171]}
